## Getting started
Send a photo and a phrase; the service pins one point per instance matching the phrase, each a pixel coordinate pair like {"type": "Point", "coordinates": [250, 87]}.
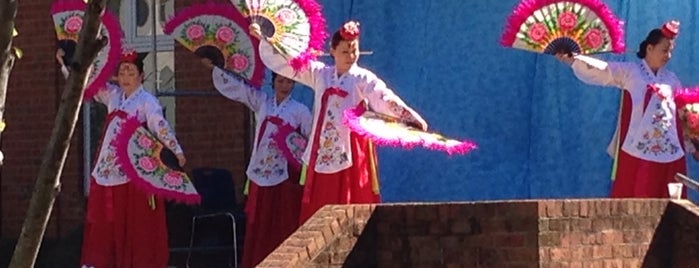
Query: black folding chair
{"type": "Point", "coordinates": [218, 200]}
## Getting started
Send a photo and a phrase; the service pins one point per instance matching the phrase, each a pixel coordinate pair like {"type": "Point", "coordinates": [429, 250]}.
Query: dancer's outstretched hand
{"type": "Point", "coordinates": [255, 30]}
{"type": "Point", "coordinates": [566, 58]}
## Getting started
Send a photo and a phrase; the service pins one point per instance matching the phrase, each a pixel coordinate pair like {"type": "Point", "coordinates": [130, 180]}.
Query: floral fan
{"type": "Point", "coordinates": [687, 101]}
{"type": "Point", "coordinates": [218, 32]}
{"type": "Point", "coordinates": [295, 28]}
{"type": "Point", "coordinates": [564, 26]}
{"type": "Point", "coordinates": [291, 143]}
{"type": "Point", "coordinates": [68, 19]}
{"type": "Point", "coordinates": [386, 130]}
{"type": "Point", "coordinates": [148, 163]}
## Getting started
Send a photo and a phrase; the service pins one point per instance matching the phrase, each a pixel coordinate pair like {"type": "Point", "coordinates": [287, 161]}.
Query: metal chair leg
{"type": "Point", "coordinates": [234, 237]}
{"type": "Point", "coordinates": [191, 241]}
{"type": "Point", "coordinates": [235, 242]}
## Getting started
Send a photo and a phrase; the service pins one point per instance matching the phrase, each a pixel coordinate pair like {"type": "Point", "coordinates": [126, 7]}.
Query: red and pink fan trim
{"type": "Point", "coordinates": [686, 96]}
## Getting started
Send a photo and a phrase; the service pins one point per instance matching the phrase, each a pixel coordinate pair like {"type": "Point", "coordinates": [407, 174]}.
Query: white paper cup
{"type": "Point", "coordinates": [674, 189]}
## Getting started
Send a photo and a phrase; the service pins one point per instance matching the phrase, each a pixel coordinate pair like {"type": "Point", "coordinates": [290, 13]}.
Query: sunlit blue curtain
{"type": "Point", "coordinates": [541, 132]}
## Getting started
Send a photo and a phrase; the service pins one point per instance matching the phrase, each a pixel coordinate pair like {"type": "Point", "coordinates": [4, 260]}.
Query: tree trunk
{"type": "Point", "coordinates": [8, 11]}
{"type": "Point", "coordinates": [47, 183]}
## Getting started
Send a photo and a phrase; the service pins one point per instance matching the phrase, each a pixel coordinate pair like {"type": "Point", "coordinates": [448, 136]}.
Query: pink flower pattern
{"type": "Point", "coordinates": [195, 32]}
{"type": "Point", "coordinates": [239, 62]}
{"type": "Point", "coordinates": [537, 32]}
{"type": "Point", "coordinates": [286, 16]}
{"type": "Point", "coordinates": [567, 20]}
{"type": "Point", "coordinates": [173, 179]}
{"type": "Point", "coordinates": [593, 39]}
{"type": "Point", "coordinates": [690, 120]}
{"type": "Point", "coordinates": [145, 142]}
{"type": "Point", "coordinates": [73, 24]}
{"type": "Point", "coordinates": [147, 163]}
{"type": "Point", "coordinates": [225, 34]}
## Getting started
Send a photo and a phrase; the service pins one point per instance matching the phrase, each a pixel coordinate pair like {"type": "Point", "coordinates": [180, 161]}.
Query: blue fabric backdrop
{"type": "Point", "coordinates": [541, 132]}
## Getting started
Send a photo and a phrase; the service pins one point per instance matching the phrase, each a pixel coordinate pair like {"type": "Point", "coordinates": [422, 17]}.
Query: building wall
{"type": "Point", "coordinates": [32, 100]}
{"type": "Point", "coordinates": [213, 130]}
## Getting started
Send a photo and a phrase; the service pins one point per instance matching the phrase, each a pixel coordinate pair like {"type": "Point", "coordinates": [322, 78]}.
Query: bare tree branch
{"type": "Point", "coordinates": [48, 181]}
{"type": "Point", "coordinates": [8, 11]}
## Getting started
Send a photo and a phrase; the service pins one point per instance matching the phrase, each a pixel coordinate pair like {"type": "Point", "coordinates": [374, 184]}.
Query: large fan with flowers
{"type": "Point", "coordinates": [295, 28]}
{"type": "Point", "coordinates": [68, 19]}
{"type": "Point", "coordinates": [391, 131]}
{"type": "Point", "coordinates": [564, 26]}
{"type": "Point", "coordinates": [218, 32]}
{"type": "Point", "coordinates": [687, 101]}
{"type": "Point", "coordinates": [291, 143]}
{"type": "Point", "coordinates": [150, 165]}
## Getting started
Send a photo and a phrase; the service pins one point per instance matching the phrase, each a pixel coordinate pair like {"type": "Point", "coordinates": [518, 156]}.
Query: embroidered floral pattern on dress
{"type": "Point", "coordinates": [330, 152]}
{"type": "Point", "coordinates": [106, 167]}
{"type": "Point", "coordinates": [269, 163]}
{"type": "Point", "coordinates": [655, 141]}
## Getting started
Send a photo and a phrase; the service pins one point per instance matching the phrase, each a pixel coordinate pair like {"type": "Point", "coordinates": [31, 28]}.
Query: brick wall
{"type": "Point", "coordinates": [32, 99]}
{"type": "Point", "coordinates": [597, 233]}
{"type": "Point", "coordinates": [549, 233]}
{"type": "Point", "coordinates": [212, 129]}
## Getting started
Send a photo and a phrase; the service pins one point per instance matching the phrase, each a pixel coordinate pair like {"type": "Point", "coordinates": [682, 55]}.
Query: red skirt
{"type": "Point", "coordinates": [637, 177]}
{"type": "Point", "coordinates": [640, 178]}
{"type": "Point", "coordinates": [122, 230]}
{"type": "Point", "coordinates": [272, 215]}
{"type": "Point", "coordinates": [348, 186]}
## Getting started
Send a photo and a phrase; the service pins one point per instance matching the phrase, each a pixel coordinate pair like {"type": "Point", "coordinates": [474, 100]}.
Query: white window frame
{"type": "Point", "coordinates": [141, 44]}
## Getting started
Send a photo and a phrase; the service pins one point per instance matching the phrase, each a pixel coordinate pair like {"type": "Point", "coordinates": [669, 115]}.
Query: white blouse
{"type": "Point", "coordinates": [147, 109]}
{"type": "Point", "coordinates": [268, 166]}
{"type": "Point", "coordinates": [333, 95]}
{"type": "Point", "coordinates": [652, 133]}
